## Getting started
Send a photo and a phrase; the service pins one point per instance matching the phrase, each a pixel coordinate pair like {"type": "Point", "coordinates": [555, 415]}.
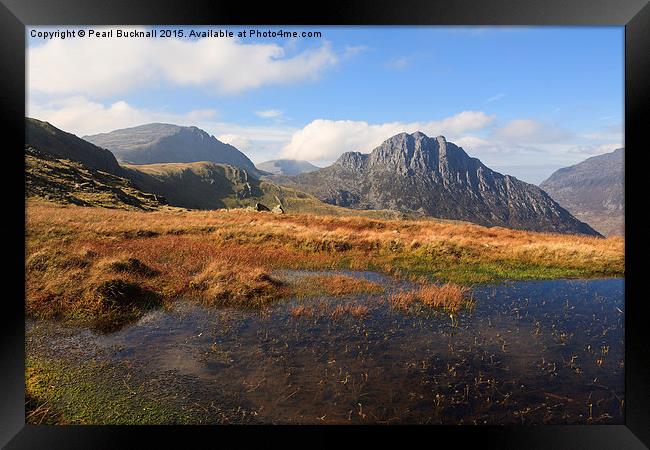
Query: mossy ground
{"type": "Point", "coordinates": [89, 394]}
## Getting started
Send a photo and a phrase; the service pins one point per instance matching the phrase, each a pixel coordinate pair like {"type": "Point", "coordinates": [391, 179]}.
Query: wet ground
{"type": "Point", "coordinates": [528, 352]}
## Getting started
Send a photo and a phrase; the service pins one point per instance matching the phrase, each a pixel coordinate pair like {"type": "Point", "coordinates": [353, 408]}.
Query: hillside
{"type": "Point", "coordinates": [71, 182]}
{"type": "Point", "coordinates": [593, 191]}
{"type": "Point", "coordinates": [165, 143]}
{"type": "Point", "coordinates": [430, 176]}
{"type": "Point", "coordinates": [44, 136]}
{"type": "Point", "coordinates": [206, 185]}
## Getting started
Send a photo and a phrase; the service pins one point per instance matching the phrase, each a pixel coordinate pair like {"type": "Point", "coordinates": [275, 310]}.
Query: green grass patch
{"type": "Point", "coordinates": [92, 393]}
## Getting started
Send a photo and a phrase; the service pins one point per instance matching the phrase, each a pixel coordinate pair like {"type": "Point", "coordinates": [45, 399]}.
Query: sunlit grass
{"type": "Point", "coordinates": [88, 262]}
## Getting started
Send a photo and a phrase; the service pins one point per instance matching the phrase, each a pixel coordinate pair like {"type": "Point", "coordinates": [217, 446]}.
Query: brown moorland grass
{"type": "Point", "coordinates": [84, 261]}
{"type": "Point", "coordinates": [448, 296]}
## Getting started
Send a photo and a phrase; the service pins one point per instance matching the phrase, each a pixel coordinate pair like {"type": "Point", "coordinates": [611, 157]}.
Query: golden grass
{"type": "Point", "coordinates": [219, 283]}
{"type": "Point", "coordinates": [226, 256]}
{"type": "Point", "coordinates": [449, 296]}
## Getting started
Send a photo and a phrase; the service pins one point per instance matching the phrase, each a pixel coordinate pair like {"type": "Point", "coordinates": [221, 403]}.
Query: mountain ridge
{"type": "Point", "coordinates": [417, 173]}
{"type": "Point", "coordinates": [75, 172]}
{"type": "Point", "coordinates": [593, 191]}
{"type": "Point", "coordinates": [157, 143]}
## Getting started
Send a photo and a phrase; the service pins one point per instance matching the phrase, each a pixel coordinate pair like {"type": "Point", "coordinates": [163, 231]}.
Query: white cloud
{"type": "Point", "coordinates": [104, 67]}
{"type": "Point", "coordinates": [520, 131]}
{"type": "Point", "coordinates": [269, 113]}
{"type": "Point", "coordinates": [472, 142]}
{"type": "Point", "coordinates": [82, 116]}
{"type": "Point", "coordinates": [323, 140]}
{"type": "Point", "coordinates": [242, 143]}
{"type": "Point", "coordinates": [353, 50]}
{"type": "Point", "coordinates": [595, 149]}
{"type": "Point", "coordinates": [494, 98]}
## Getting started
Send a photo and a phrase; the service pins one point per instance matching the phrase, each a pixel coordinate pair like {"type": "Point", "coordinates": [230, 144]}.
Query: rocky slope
{"type": "Point", "coordinates": [593, 191]}
{"type": "Point", "coordinates": [70, 182]}
{"type": "Point", "coordinates": [165, 143]}
{"type": "Point", "coordinates": [287, 167]}
{"type": "Point", "coordinates": [416, 173]}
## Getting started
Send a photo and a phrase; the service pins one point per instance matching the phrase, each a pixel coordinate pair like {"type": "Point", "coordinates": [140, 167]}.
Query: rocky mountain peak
{"type": "Point", "coordinates": [417, 173]}
{"type": "Point", "coordinates": [352, 160]}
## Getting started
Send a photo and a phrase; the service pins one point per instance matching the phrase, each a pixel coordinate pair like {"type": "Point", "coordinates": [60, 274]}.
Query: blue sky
{"type": "Point", "coordinates": [524, 100]}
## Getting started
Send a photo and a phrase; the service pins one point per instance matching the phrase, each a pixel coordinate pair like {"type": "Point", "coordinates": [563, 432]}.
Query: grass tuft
{"type": "Point", "coordinates": [131, 266]}
{"type": "Point", "coordinates": [449, 296]}
{"type": "Point", "coordinates": [238, 286]}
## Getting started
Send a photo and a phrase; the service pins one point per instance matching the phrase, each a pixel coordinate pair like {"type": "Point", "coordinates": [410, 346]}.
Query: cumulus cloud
{"type": "Point", "coordinates": [323, 140]}
{"type": "Point", "coordinates": [105, 67]}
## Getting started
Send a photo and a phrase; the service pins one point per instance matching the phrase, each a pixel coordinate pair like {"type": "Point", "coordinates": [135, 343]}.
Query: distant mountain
{"type": "Point", "coordinates": [45, 136]}
{"type": "Point", "coordinates": [165, 143]}
{"type": "Point", "coordinates": [416, 173]}
{"type": "Point", "coordinates": [593, 191]}
{"type": "Point", "coordinates": [287, 167]}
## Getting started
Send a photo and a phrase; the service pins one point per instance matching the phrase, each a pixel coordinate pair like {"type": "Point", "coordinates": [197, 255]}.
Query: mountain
{"type": "Point", "coordinates": [287, 167]}
{"type": "Point", "coordinates": [433, 177]}
{"type": "Point", "coordinates": [44, 136]}
{"type": "Point", "coordinates": [593, 191]}
{"type": "Point", "coordinates": [165, 143]}
{"type": "Point", "coordinates": [63, 168]}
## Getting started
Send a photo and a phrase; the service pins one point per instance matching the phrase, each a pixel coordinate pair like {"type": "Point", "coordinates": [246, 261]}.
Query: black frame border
{"type": "Point", "coordinates": [633, 14]}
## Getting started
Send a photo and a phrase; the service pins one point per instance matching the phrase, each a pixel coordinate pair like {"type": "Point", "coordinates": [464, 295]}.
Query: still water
{"type": "Point", "coordinates": [528, 352]}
